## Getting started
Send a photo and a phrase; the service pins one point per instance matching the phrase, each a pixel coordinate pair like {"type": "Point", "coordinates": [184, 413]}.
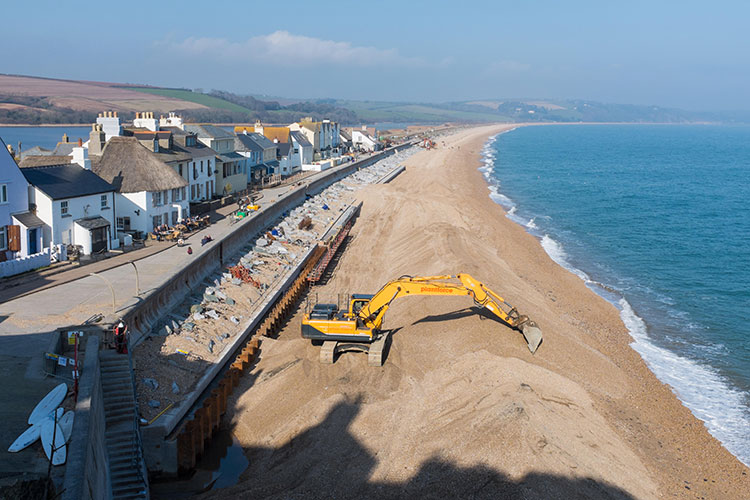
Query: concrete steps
{"type": "Point", "coordinates": [126, 467]}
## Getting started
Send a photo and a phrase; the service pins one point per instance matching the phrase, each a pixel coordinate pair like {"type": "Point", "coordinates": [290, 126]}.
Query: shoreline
{"type": "Point", "coordinates": [583, 417]}
{"type": "Point", "coordinates": [636, 324]}
{"type": "Point", "coordinates": [631, 335]}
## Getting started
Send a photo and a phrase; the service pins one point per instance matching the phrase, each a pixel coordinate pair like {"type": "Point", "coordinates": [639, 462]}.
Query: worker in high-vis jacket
{"type": "Point", "coordinates": [121, 337]}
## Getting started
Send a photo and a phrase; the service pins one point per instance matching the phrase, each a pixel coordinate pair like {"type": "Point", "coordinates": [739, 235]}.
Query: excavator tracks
{"type": "Point", "coordinates": [375, 351]}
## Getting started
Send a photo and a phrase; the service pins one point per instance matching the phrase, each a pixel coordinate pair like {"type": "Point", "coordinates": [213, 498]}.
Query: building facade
{"type": "Point", "coordinates": [20, 235]}
{"type": "Point", "coordinates": [231, 167]}
{"type": "Point", "coordinates": [149, 192]}
{"type": "Point", "coordinates": [76, 206]}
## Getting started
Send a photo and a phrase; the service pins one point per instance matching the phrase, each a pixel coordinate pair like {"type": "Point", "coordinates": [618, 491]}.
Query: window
{"type": "Point", "coordinates": [210, 172]}
{"type": "Point", "coordinates": [176, 194]}
{"type": "Point", "coordinates": [165, 219]}
{"type": "Point", "coordinates": [192, 191]}
{"type": "Point", "coordinates": [165, 196]}
{"type": "Point", "coordinates": [63, 208]}
{"type": "Point", "coordinates": [3, 237]}
{"type": "Point", "coordinates": [104, 201]}
{"type": "Point", "coordinates": [156, 199]}
{"type": "Point", "coordinates": [180, 168]}
{"type": "Point", "coordinates": [3, 193]}
{"type": "Point", "coordinates": [156, 219]}
{"type": "Point", "coordinates": [195, 172]}
{"type": "Point", "coordinates": [123, 223]}
{"type": "Point", "coordinates": [201, 166]}
{"type": "Point", "coordinates": [184, 193]}
{"type": "Point", "coordinates": [174, 218]}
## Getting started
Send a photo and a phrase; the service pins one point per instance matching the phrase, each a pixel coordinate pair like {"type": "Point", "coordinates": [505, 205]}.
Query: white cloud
{"type": "Point", "coordinates": [286, 49]}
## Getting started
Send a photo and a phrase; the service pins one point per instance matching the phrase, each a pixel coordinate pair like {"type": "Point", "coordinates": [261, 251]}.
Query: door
{"type": "Point", "coordinates": [99, 239]}
{"type": "Point", "coordinates": [33, 241]}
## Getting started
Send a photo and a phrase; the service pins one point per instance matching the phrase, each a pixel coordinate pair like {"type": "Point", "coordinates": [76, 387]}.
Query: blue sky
{"type": "Point", "coordinates": [692, 55]}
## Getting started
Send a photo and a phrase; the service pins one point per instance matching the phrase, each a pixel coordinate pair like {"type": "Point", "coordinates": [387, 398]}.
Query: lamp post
{"type": "Point", "coordinates": [110, 288]}
{"type": "Point", "coordinates": [137, 280]}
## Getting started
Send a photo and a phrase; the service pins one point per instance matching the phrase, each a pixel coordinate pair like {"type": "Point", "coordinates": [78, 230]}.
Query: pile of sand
{"type": "Point", "coordinates": [461, 408]}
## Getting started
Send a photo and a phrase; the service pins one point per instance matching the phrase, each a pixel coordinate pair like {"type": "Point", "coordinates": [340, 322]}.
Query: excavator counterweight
{"type": "Point", "coordinates": [359, 326]}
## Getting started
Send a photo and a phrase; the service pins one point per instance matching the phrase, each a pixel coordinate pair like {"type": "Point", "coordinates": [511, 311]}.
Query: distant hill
{"type": "Point", "coordinates": [35, 100]}
{"type": "Point", "coordinates": [524, 111]}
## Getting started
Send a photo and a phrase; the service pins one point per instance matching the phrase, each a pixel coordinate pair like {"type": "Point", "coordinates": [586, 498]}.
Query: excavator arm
{"type": "Point", "coordinates": [372, 314]}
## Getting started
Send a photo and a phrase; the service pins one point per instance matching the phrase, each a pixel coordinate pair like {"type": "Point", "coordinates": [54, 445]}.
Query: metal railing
{"type": "Point", "coordinates": [138, 460]}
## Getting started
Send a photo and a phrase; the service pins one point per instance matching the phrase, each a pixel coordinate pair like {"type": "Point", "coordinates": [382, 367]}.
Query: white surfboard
{"type": "Point", "coordinates": [50, 430]}
{"type": "Point", "coordinates": [26, 439]}
{"type": "Point", "coordinates": [66, 424]}
{"type": "Point", "coordinates": [30, 435]}
{"type": "Point", "coordinates": [48, 403]}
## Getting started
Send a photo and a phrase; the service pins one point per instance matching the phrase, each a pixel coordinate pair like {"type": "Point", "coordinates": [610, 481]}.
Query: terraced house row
{"type": "Point", "coordinates": [102, 192]}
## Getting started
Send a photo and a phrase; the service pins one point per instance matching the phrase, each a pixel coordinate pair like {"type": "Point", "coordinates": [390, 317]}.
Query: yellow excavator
{"type": "Point", "coordinates": [358, 328]}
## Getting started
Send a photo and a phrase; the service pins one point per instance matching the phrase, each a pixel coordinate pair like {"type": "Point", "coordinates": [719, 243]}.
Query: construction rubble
{"type": "Point", "coordinates": [193, 335]}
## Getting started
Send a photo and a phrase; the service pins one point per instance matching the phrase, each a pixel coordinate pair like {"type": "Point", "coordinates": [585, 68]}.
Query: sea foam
{"type": "Point", "coordinates": [701, 389]}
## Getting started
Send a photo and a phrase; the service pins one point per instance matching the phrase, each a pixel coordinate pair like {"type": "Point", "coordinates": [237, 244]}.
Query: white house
{"type": "Point", "coordinates": [76, 206]}
{"type": "Point", "coordinates": [324, 136]}
{"type": "Point", "coordinates": [302, 148]}
{"type": "Point", "coordinates": [182, 151]}
{"type": "Point", "coordinates": [149, 192]}
{"type": "Point", "coordinates": [199, 170]}
{"type": "Point", "coordinates": [364, 142]}
{"type": "Point", "coordinates": [286, 159]}
{"type": "Point", "coordinates": [20, 234]}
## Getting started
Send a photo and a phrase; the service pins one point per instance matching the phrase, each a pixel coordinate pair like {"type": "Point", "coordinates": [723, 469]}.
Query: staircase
{"type": "Point", "coordinates": [126, 466]}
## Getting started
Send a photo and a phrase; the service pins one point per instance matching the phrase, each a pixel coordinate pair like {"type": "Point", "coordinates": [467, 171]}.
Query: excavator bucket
{"type": "Point", "coordinates": [533, 336]}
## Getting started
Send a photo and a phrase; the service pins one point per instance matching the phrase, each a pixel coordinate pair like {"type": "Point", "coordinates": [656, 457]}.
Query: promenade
{"type": "Point", "coordinates": [37, 307]}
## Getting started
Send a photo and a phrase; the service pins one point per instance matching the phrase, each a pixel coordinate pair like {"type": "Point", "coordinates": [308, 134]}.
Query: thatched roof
{"type": "Point", "coordinates": [132, 168]}
{"type": "Point", "coordinates": [44, 160]}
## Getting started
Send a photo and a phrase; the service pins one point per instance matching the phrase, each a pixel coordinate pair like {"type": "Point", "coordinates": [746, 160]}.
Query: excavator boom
{"type": "Point", "coordinates": [363, 320]}
{"type": "Point", "coordinates": [372, 314]}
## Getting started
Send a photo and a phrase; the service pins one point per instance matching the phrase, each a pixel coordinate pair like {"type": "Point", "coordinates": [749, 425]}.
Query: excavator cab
{"type": "Point", "coordinates": [358, 301]}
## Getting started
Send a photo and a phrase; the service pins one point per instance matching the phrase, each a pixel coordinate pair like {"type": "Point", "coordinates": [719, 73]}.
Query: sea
{"type": "Point", "coordinates": [46, 137]}
{"type": "Point", "coordinates": [655, 219]}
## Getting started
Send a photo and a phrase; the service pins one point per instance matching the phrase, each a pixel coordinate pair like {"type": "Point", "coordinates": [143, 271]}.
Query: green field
{"type": "Point", "coordinates": [186, 95]}
{"type": "Point", "coordinates": [369, 111]}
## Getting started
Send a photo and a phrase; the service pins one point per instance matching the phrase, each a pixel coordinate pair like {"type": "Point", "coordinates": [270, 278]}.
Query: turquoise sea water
{"type": "Point", "coordinates": [655, 219]}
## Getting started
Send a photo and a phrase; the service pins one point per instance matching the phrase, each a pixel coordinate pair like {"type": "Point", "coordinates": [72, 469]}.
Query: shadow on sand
{"type": "Point", "coordinates": [327, 461]}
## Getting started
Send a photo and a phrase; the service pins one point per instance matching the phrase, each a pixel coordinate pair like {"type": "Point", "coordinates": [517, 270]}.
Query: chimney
{"type": "Point", "coordinates": [97, 139]}
{"type": "Point", "coordinates": [65, 137]}
{"type": "Point", "coordinates": [80, 142]}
